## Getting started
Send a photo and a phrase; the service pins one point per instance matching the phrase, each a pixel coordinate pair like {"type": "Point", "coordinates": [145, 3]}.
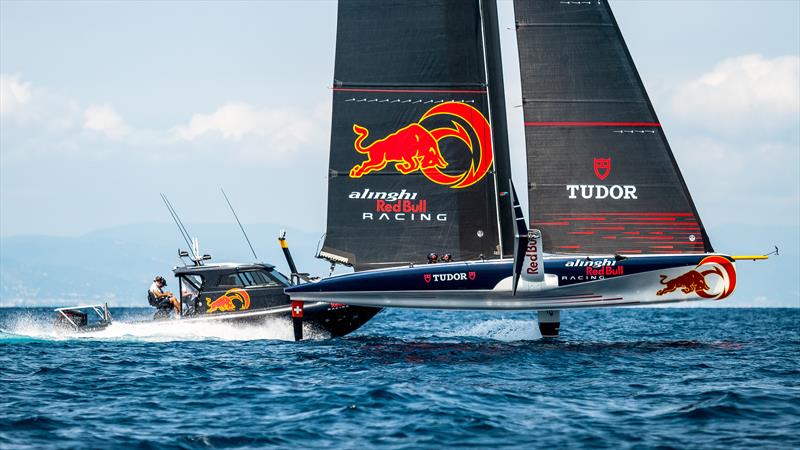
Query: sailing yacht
{"type": "Point", "coordinates": [419, 163]}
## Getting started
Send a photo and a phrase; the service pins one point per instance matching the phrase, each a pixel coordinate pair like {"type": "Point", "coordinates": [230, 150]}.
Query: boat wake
{"type": "Point", "coordinates": [505, 330]}
{"type": "Point", "coordinates": [33, 329]}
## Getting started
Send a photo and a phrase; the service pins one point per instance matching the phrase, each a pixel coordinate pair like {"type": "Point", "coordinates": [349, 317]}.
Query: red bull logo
{"type": "Point", "coordinates": [695, 280]}
{"type": "Point", "coordinates": [416, 148]}
{"type": "Point", "coordinates": [225, 302]}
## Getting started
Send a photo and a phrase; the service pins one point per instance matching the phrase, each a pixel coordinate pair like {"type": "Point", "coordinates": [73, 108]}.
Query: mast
{"type": "Point", "coordinates": [498, 119]}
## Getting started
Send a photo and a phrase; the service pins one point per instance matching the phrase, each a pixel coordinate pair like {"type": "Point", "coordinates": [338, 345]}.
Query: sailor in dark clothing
{"type": "Point", "coordinates": [447, 257]}
{"type": "Point", "coordinates": [160, 299]}
{"type": "Point", "coordinates": [433, 258]}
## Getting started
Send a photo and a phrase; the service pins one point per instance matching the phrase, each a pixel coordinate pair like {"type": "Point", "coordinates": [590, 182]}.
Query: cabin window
{"type": "Point", "coordinates": [251, 278]}
{"type": "Point", "coordinates": [195, 282]}
{"type": "Point", "coordinates": [262, 278]}
{"type": "Point", "coordinates": [274, 278]}
{"type": "Point", "coordinates": [231, 280]}
{"type": "Point", "coordinates": [247, 280]}
{"type": "Point", "coordinates": [279, 277]}
{"type": "Point", "coordinates": [192, 283]}
{"type": "Point", "coordinates": [190, 286]}
{"type": "Point", "coordinates": [257, 278]}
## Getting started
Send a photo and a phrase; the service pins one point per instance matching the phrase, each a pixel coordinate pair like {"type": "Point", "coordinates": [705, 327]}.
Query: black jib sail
{"type": "Point", "coordinates": [411, 149]}
{"type": "Point", "coordinates": [602, 178]}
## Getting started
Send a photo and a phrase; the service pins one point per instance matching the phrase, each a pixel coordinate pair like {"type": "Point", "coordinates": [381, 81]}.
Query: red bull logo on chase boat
{"type": "Point", "coordinates": [228, 300]}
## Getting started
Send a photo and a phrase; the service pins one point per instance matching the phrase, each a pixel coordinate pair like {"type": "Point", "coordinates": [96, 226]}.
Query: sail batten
{"type": "Point", "coordinates": [600, 170]}
{"type": "Point", "coordinates": [592, 124]}
{"type": "Point", "coordinates": [568, 24]}
{"type": "Point", "coordinates": [478, 88]}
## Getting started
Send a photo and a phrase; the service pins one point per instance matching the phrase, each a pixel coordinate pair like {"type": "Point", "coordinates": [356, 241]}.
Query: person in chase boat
{"type": "Point", "coordinates": [161, 300]}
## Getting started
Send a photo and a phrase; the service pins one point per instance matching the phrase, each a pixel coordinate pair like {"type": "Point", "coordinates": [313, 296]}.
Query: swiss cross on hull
{"type": "Point", "coordinates": [297, 309]}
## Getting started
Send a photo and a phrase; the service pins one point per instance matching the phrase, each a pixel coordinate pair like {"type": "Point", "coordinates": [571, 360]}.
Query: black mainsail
{"type": "Point", "coordinates": [411, 160]}
{"type": "Point", "coordinates": [602, 178]}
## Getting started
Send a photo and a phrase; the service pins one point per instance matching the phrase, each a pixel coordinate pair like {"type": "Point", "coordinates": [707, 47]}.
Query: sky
{"type": "Point", "coordinates": [105, 104]}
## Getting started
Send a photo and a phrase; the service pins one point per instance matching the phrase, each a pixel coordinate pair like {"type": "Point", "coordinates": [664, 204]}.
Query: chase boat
{"type": "Point", "coordinates": [241, 293]}
{"type": "Point", "coordinates": [253, 293]}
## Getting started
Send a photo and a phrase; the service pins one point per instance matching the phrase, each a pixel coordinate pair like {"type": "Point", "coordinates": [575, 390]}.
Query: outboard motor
{"type": "Point", "coordinates": [82, 318]}
{"type": "Point", "coordinates": [71, 318]}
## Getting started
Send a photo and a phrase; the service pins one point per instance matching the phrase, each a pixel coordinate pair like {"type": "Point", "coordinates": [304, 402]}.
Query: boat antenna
{"type": "Point", "coordinates": [240, 223]}
{"type": "Point", "coordinates": [177, 220]}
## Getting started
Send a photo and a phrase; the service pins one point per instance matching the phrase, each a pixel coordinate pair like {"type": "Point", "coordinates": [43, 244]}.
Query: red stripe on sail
{"type": "Point", "coordinates": [674, 228]}
{"type": "Point", "coordinates": [592, 124]}
{"type": "Point", "coordinates": [633, 223]}
{"type": "Point", "coordinates": [551, 223]}
{"type": "Point", "coordinates": [623, 214]}
{"type": "Point", "coordinates": [652, 238]}
{"type": "Point", "coordinates": [414, 91]}
{"type": "Point", "coordinates": [581, 218]}
{"type": "Point", "coordinates": [655, 219]}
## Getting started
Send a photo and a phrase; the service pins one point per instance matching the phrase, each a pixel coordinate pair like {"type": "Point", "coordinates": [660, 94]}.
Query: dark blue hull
{"type": "Point", "coordinates": [569, 282]}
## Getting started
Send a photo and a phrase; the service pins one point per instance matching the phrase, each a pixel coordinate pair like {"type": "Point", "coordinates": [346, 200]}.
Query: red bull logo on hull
{"type": "Point", "coordinates": [416, 148]}
{"type": "Point", "coordinates": [694, 281]}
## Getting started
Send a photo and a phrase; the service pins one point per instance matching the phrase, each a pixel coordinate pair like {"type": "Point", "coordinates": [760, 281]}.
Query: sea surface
{"type": "Point", "coordinates": [618, 378]}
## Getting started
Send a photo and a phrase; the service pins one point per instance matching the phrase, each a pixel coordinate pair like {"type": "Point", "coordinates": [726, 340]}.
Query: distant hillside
{"type": "Point", "coordinates": [118, 264]}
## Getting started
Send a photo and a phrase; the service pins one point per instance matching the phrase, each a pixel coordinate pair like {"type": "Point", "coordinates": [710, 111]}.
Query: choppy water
{"type": "Point", "coordinates": [623, 378]}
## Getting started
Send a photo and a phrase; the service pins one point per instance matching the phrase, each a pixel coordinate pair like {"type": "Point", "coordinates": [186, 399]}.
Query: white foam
{"type": "Point", "coordinates": [506, 330]}
{"type": "Point", "coordinates": [166, 331]}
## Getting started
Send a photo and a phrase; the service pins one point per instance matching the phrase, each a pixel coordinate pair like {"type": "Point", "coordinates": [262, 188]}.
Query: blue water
{"type": "Point", "coordinates": [622, 378]}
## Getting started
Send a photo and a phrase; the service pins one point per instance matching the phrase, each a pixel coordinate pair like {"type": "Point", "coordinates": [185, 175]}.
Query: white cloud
{"type": "Point", "coordinates": [38, 121]}
{"type": "Point", "coordinates": [256, 132]}
{"type": "Point", "coordinates": [13, 94]}
{"type": "Point", "coordinates": [104, 119]}
{"type": "Point", "coordinates": [743, 93]}
{"type": "Point", "coordinates": [29, 105]}
{"type": "Point", "coordinates": [738, 181]}
{"type": "Point", "coordinates": [26, 104]}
